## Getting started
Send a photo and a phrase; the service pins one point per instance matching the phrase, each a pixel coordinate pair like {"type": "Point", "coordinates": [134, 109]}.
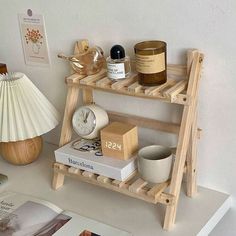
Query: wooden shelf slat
{"type": "Point", "coordinates": [135, 87]}
{"type": "Point", "coordinates": [176, 89]}
{"type": "Point", "coordinates": [167, 92]}
{"type": "Point", "coordinates": [137, 185]}
{"type": "Point", "coordinates": [74, 78]}
{"type": "Point", "coordinates": [88, 174]}
{"type": "Point", "coordinates": [157, 89]}
{"type": "Point", "coordinates": [104, 82]}
{"type": "Point", "coordinates": [103, 179]}
{"type": "Point", "coordinates": [93, 78]}
{"type": "Point", "coordinates": [158, 189]}
{"type": "Point", "coordinates": [74, 170]}
{"type": "Point", "coordinates": [123, 83]}
{"type": "Point", "coordinates": [136, 188]}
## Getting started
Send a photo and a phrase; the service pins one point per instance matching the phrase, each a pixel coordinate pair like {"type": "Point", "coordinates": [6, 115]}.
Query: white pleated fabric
{"type": "Point", "coordinates": [24, 111]}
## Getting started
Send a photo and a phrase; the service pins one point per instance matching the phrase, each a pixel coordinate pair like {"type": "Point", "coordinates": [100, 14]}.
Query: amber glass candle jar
{"type": "Point", "coordinates": [150, 57]}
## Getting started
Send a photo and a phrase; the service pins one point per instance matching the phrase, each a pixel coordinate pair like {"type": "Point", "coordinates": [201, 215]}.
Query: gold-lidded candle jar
{"type": "Point", "coordinates": [150, 57]}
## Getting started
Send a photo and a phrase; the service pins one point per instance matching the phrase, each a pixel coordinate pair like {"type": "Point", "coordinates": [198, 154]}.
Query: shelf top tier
{"type": "Point", "coordinates": [173, 91]}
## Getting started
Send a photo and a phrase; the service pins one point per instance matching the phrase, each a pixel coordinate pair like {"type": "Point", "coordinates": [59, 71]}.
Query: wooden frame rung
{"type": "Point", "coordinates": [144, 122]}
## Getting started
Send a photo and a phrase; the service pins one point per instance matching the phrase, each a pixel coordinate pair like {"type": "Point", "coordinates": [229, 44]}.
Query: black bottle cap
{"type": "Point", "coordinates": [117, 52]}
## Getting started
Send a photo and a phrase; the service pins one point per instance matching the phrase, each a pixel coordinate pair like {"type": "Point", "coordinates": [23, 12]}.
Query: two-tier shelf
{"type": "Point", "coordinates": [181, 88]}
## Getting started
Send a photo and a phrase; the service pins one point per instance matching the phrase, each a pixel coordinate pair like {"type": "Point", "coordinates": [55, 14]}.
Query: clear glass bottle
{"type": "Point", "coordinates": [118, 65]}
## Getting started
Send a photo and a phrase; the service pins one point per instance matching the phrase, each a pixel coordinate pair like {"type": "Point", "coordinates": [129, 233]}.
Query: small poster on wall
{"type": "Point", "coordinates": [34, 41]}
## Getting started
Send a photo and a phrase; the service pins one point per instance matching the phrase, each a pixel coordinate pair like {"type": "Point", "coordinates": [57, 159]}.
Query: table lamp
{"type": "Point", "coordinates": [25, 114]}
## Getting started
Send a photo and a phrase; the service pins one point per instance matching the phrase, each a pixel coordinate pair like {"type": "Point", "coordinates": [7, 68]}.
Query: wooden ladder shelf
{"type": "Point", "coordinates": [181, 88]}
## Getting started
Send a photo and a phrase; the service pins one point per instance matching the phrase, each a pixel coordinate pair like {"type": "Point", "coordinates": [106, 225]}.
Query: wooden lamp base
{"type": "Point", "coordinates": [22, 152]}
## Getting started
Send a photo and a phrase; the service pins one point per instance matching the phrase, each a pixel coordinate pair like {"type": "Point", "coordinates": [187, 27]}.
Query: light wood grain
{"type": "Point", "coordinates": [103, 83]}
{"type": "Point", "coordinates": [135, 87]}
{"type": "Point", "coordinates": [87, 96]}
{"type": "Point", "coordinates": [62, 170]}
{"type": "Point", "coordinates": [74, 170]}
{"type": "Point", "coordinates": [74, 78]}
{"type": "Point", "coordinates": [184, 136]}
{"type": "Point", "coordinates": [119, 140]}
{"type": "Point", "coordinates": [103, 179]}
{"type": "Point", "coordinates": [90, 79]}
{"type": "Point", "coordinates": [126, 82]}
{"type": "Point", "coordinates": [191, 159]}
{"type": "Point", "coordinates": [158, 189]}
{"type": "Point", "coordinates": [191, 169]}
{"type": "Point", "coordinates": [137, 185]}
{"type": "Point", "coordinates": [157, 89]}
{"type": "Point", "coordinates": [71, 101]}
{"type": "Point", "coordinates": [58, 178]}
{"type": "Point", "coordinates": [174, 91]}
{"type": "Point", "coordinates": [22, 152]}
{"type": "Point", "coordinates": [144, 122]}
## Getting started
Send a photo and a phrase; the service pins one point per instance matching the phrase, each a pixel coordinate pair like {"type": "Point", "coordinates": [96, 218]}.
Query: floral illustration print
{"type": "Point", "coordinates": [35, 38]}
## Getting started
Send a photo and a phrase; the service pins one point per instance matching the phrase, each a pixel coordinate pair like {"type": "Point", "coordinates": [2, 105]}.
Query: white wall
{"type": "Point", "coordinates": [207, 25]}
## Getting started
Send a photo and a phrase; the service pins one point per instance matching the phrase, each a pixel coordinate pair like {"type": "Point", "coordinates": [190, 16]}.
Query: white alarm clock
{"type": "Point", "coordinates": [88, 120]}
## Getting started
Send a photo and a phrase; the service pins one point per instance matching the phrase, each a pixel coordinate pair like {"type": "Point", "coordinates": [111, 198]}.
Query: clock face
{"type": "Point", "coordinates": [84, 121]}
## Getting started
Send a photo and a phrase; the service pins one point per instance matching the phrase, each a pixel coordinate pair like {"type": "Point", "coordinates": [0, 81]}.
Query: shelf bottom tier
{"type": "Point", "coordinates": [134, 186]}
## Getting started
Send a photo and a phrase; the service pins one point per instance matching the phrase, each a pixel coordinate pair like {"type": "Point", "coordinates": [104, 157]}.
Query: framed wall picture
{"type": "Point", "coordinates": [34, 39]}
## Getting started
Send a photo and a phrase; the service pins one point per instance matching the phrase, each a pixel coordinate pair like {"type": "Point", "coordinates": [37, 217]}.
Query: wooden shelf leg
{"type": "Point", "coordinates": [183, 141]}
{"type": "Point", "coordinates": [87, 96]}
{"type": "Point", "coordinates": [58, 180]}
{"type": "Point", "coordinates": [177, 174]}
{"type": "Point", "coordinates": [191, 174]}
{"type": "Point", "coordinates": [71, 102]}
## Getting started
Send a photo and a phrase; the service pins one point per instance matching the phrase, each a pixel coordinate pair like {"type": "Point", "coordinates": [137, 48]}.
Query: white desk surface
{"type": "Point", "coordinates": [194, 217]}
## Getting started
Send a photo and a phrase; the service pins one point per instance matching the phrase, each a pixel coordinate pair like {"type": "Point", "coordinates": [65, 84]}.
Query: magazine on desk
{"type": "Point", "coordinates": [22, 215]}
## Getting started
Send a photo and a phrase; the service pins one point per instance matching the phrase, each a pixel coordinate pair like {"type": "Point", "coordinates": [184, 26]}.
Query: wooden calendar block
{"type": "Point", "coordinates": [119, 140]}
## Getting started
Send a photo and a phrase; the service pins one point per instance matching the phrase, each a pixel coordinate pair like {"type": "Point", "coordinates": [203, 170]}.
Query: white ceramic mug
{"type": "Point", "coordinates": [154, 163]}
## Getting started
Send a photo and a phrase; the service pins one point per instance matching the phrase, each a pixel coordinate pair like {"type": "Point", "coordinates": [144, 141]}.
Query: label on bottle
{"type": "Point", "coordinates": [150, 64]}
{"type": "Point", "coordinates": [116, 70]}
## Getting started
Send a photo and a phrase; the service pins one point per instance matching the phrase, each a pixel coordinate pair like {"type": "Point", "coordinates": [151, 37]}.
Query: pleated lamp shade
{"type": "Point", "coordinates": [24, 111]}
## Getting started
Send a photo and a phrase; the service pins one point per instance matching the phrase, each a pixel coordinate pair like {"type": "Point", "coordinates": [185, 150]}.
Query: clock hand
{"type": "Point", "coordinates": [82, 113]}
{"type": "Point", "coordinates": [86, 117]}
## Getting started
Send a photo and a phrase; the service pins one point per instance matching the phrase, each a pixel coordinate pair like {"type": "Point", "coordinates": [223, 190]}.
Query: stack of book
{"type": "Point", "coordinates": [87, 155]}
